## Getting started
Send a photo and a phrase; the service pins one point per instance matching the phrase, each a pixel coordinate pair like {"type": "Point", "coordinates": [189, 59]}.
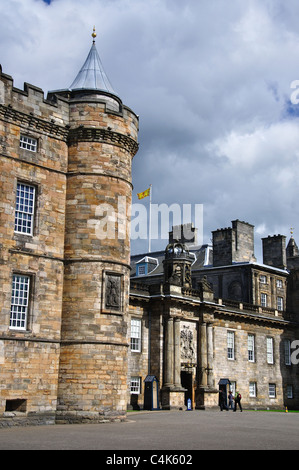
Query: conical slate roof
{"type": "Point", "coordinates": [92, 79]}
{"type": "Point", "coordinates": [92, 75]}
{"type": "Point", "coordinates": [292, 248]}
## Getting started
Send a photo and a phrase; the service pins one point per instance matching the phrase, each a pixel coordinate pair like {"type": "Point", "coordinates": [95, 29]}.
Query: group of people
{"type": "Point", "coordinates": [233, 400]}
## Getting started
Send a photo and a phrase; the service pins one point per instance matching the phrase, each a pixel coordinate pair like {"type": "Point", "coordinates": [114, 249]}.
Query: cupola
{"type": "Point", "coordinates": [177, 265]}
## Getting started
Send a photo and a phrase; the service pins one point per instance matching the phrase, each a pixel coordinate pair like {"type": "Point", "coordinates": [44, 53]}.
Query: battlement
{"type": "Point", "coordinates": [225, 229]}
{"type": "Point", "coordinates": [235, 224]}
{"type": "Point", "coordinates": [57, 113]}
{"type": "Point", "coordinates": [32, 100]}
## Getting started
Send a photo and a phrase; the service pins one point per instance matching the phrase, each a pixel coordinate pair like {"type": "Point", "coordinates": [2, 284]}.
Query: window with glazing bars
{"type": "Point", "coordinates": [251, 348]}
{"type": "Point", "coordinates": [252, 389]}
{"type": "Point", "coordinates": [230, 345]}
{"type": "Point", "coordinates": [28, 143]}
{"type": "Point", "coordinates": [19, 302]}
{"type": "Point", "coordinates": [263, 279]}
{"type": "Point", "coordinates": [270, 353]}
{"type": "Point", "coordinates": [287, 352]}
{"type": "Point", "coordinates": [136, 335]}
{"type": "Point", "coordinates": [272, 391]}
{"type": "Point", "coordinates": [135, 385]}
{"type": "Point", "coordinates": [279, 303]}
{"type": "Point", "coordinates": [290, 391]}
{"type": "Point", "coordinates": [279, 283]}
{"type": "Point", "coordinates": [264, 300]}
{"type": "Point", "coordinates": [24, 213]}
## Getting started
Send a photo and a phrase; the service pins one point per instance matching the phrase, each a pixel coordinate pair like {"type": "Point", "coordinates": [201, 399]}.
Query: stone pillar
{"type": "Point", "coordinates": [173, 395]}
{"type": "Point", "coordinates": [177, 353]}
{"type": "Point", "coordinates": [210, 355]}
{"type": "Point", "coordinates": [273, 294]}
{"type": "Point", "coordinates": [256, 289]}
{"type": "Point", "coordinates": [203, 354]}
{"type": "Point", "coordinates": [206, 394]}
{"type": "Point", "coordinates": [169, 353]}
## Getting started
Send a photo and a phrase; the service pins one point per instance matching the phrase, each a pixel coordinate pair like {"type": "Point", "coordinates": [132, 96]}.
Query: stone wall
{"type": "Point", "coordinates": [204, 355]}
{"type": "Point", "coordinates": [29, 358]}
{"type": "Point", "coordinates": [79, 280]}
{"type": "Point", "coordinates": [93, 363]}
{"type": "Point", "coordinates": [242, 371]}
{"type": "Point", "coordinates": [138, 361]}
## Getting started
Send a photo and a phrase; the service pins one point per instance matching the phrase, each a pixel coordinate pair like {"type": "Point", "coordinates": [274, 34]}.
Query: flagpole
{"type": "Point", "coordinates": [150, 220]}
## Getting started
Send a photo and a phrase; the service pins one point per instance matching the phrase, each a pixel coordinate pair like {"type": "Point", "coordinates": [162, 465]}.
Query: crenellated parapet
{"type": "Point", "coordinates": [31, 100]}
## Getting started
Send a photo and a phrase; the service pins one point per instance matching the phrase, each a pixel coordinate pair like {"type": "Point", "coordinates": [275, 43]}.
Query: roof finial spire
{"type": "Point", "coordinates": [94, 34]}
{"type": "Point", "coordinates": [292, 231]}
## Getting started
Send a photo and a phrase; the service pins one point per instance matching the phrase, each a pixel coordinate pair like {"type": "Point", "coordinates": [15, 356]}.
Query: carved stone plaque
{"type": "Point", "coordinates": [112, 292]}
{"type": "Point", "coordinates": [187, 345]}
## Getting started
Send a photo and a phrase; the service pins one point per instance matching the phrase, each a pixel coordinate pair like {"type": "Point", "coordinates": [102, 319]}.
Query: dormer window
{"type": "Point", "coordinates": [141, 269]}
{"type": "Point", "coordinates": [146, 266]}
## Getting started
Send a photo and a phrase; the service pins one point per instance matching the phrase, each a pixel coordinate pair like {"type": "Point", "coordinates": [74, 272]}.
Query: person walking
{"type": "Point", "coordinates": [230, 400]}
{"type": "Point", "coordinates": [238, 398]}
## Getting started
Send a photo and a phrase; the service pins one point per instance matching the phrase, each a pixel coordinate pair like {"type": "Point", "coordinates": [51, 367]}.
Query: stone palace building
{"type": "Point", "coordinates": [86, 330]}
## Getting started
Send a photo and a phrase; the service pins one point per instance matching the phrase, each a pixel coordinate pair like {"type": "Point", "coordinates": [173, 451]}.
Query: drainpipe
{"type": "Point", "coordinates": [149, 340]}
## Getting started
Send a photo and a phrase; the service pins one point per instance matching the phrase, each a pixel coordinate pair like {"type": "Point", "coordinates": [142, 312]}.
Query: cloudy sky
{"type": "Point", "coordinates": [211, 81]}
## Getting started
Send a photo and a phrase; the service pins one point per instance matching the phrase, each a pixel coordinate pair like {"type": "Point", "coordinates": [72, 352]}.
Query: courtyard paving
{"type": "Point", "coordinates": [164, 431]}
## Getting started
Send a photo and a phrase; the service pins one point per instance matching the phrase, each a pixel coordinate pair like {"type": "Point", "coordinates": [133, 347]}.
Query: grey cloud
{"type": "Point", "coordinates": [210, 81]}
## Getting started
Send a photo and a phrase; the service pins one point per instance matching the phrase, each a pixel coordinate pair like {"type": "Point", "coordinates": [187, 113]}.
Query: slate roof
{"type": "Point", "coordinates": [92, 76]}
{"type": "Point", "coordinates": [202, 257]}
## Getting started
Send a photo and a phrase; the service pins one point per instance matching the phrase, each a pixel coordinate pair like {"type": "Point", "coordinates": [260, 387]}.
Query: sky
{"type": "Point", "coordinates": [211, 81]}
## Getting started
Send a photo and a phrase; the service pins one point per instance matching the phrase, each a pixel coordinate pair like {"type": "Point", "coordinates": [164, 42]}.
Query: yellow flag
{"type": "Point", "coordinates": [144, 194]}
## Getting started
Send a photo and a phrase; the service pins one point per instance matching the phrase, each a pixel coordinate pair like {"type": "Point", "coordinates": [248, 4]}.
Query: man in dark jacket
{"type": "Point", "coordinates": [238, 398]}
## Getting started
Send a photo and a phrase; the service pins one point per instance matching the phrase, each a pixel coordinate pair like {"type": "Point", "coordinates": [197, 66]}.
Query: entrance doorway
{"type": "Point", "coordinates": [187, 383]}
{"type": "Point", "coordinates": [224, 387]}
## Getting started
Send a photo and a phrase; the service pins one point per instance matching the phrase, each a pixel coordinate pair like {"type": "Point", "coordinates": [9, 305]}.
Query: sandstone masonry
{"type": "Point", "coordinates": [64, 291]}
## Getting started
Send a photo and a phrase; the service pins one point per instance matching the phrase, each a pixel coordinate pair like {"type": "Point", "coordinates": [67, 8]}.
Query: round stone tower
{"type": "Point", "coordinates": [94, 343]}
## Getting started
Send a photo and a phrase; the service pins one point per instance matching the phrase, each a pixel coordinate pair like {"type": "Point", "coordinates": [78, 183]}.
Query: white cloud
{"type": "Point", "coordinates": [264, 148]}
